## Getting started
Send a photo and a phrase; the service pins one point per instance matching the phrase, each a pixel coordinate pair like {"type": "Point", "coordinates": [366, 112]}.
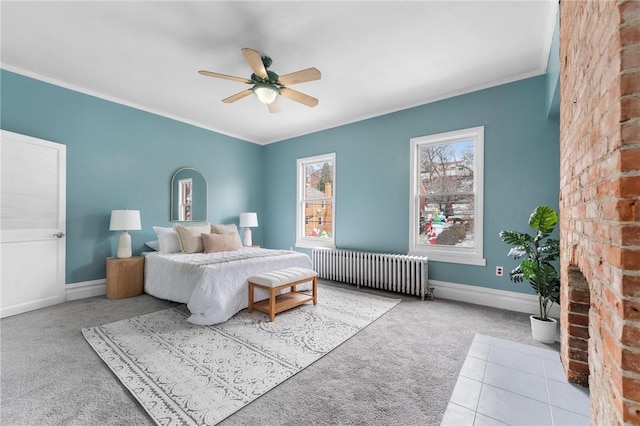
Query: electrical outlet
{"type": "Point", "coordinates": [499, 271]}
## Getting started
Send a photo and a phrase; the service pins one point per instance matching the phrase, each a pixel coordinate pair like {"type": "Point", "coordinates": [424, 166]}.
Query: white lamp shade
{"type": "Point", "coordinates": [125, 220]}
{"type": "Point", "coordinates": [248, 220]}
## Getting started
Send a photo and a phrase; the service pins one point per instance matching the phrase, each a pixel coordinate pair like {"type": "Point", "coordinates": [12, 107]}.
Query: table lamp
{"type": "Point", "coordinates": [248, 221]}
{"type": "Point", "coordinates": [125, 220]}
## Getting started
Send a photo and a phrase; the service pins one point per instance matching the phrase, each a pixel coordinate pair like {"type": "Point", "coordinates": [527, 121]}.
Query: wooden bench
{"type": "Point", "coordinates": [277, 280]}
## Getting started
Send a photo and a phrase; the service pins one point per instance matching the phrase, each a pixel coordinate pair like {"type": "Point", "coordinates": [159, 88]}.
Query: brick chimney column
{"type": "Point", "coordinates": [600, 204]}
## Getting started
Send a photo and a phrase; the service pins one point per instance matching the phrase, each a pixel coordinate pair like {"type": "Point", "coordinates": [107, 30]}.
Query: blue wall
{"type": "Point", "coordinates": [120, 157]}
{"type": "Point", "coordinates": [372, 174]}
{"type": "Point", "coordinates": [553, 73]}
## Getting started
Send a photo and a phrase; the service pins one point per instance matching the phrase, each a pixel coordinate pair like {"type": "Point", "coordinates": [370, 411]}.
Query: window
{"type": "Point", "coordinates": [446, 221]}
{"type": "Point", "coordinates": [316, 201]}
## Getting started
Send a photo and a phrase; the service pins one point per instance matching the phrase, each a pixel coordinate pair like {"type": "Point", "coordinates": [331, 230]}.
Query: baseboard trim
{"type": "Point", "coordinates": [85, 289]}
{"type": "Point", "coordinates": [30, 305]}
{"type": "Point", "coordinates": [501, 299]}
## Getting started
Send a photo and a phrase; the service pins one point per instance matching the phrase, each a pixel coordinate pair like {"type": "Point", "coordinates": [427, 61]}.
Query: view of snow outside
{"type": "Point", "coordinates": [447, 194]}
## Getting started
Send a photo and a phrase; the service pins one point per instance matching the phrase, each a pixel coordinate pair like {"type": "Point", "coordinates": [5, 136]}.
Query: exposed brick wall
{"type": "Point", "coordinates": [600, 204]}
{"type": "Point", "coordinates": [575, 321]}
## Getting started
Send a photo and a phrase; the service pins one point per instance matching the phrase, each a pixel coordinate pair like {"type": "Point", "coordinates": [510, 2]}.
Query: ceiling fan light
{"type": "Point", "coordinates": [265, 92]}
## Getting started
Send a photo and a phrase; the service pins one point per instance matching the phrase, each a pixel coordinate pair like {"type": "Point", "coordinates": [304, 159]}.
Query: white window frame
{"type": "Point", "coordinates": [301, 239]}
{"type": "Point", "coordinates": [440, 253]}
{"type": "Point", "coordinates": [184, 203]}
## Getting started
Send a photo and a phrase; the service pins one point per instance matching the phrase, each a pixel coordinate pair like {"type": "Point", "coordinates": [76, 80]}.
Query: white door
{"type": "Point", "coordinates": [32, 243]}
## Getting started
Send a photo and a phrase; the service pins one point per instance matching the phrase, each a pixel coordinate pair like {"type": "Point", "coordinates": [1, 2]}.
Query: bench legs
{"type": "Point", "coordinates": [315, 290]}
{"type": "Point", "coordinates": [272, 303]}
{"type": "Point", "coordinates": [250, 307]}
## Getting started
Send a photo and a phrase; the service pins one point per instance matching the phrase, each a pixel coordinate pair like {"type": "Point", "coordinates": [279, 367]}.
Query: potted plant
{"type": "Point", "coordinates": [537, 252]}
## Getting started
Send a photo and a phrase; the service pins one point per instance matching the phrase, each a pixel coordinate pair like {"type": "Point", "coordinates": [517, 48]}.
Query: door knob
{"type": "Point", "coordinates": [59, 235]}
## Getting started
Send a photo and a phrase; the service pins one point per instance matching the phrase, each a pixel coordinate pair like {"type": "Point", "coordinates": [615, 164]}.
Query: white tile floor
{"type": "Point", "coordinates": [509, 383]}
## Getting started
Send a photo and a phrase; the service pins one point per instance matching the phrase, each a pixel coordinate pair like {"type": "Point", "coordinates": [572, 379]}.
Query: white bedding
{"type": "Point", "coordinates": [213, 288]}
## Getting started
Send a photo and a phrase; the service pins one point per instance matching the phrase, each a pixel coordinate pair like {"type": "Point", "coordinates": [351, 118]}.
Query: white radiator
{"type": "Point", "coordinates": [393, 272]}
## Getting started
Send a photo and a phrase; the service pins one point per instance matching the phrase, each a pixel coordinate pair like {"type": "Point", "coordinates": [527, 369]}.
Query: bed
{"type": "Point", "coordinates": [214, 285]}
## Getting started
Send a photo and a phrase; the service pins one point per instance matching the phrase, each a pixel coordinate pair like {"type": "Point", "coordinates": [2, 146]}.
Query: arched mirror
{"type": "Point", "coordinates": [188, 196]}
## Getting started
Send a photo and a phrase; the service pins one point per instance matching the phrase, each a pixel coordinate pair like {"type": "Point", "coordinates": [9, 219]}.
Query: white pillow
{"type": "Point", "coordinates": [154, 245]}
{"type": "Point", "coordinates": [167, 240]}
{"type": "Point", "coordinates": [161, 230]}
{"type": "Point", "coordinates": [169, 243]}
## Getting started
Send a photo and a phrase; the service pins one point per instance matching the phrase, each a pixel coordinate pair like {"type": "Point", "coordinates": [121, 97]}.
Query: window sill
{"type": "Point", "coordinates": [450, 258]}
{"type": "Point", "coordinates": [314, 244]}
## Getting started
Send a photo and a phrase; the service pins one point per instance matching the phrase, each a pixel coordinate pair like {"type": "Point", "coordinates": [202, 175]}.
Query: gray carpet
{"type": "Point", "coordinates": [399, 370]}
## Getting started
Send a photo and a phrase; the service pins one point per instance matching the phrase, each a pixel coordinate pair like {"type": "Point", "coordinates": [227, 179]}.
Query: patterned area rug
{"type": "Point", "coordinates": [198, 375]}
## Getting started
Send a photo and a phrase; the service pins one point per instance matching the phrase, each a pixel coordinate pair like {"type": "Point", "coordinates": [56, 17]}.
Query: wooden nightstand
{"type": "Point", "coordinates": [125, 277]}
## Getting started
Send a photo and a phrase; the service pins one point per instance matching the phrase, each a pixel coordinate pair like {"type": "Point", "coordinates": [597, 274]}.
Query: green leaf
{"type": "Point", "coordinates": [515, 238]}
{"type": "Point", "coordinates": [529, 269]}
{"type": "Point", "coordinates": [517, 252]}
{"type": "Point", "coordinates": [516, 275]}
{"type": "Point", "coordinates": [544, 219]}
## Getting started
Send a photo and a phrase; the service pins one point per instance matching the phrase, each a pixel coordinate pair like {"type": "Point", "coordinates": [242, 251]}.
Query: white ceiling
{"type": "Point", "coordinates": [375, 57]}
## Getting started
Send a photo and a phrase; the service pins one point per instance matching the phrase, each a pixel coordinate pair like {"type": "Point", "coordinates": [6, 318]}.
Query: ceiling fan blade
{"type": "Point", "coordinates": [225, 76]}
{"type": "Point", "coordinates": [237, 96]}
{"type": "Point", "coordinates": [309, 74]}
{"type": "Point", "coordinates": [274, 107]}
{"type": "Point", "coordinates": [294, 95]}
{"type": "Point", "coordinates": [255, 62]}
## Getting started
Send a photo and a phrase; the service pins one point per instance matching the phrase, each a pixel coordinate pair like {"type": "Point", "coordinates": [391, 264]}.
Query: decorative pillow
{"type": "Point", "coordinates": [161, 230]}
{"type": "Point", "coordinates": [230, 228]}
{"type": "Point", "coordinates": [189, 236]}
{"type": "Point", "coordinates": [169, 243]}
{"type": "Point", "coordinates": [167, 240]}
{"type": "Point", "coordinates": [219, 242]}
{"type": "Point", "coordinates": [153, 245]}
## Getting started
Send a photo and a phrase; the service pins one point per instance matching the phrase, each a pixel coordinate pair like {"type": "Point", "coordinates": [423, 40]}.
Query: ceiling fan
{"type": "Point", "coordinates": [267, 85]}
